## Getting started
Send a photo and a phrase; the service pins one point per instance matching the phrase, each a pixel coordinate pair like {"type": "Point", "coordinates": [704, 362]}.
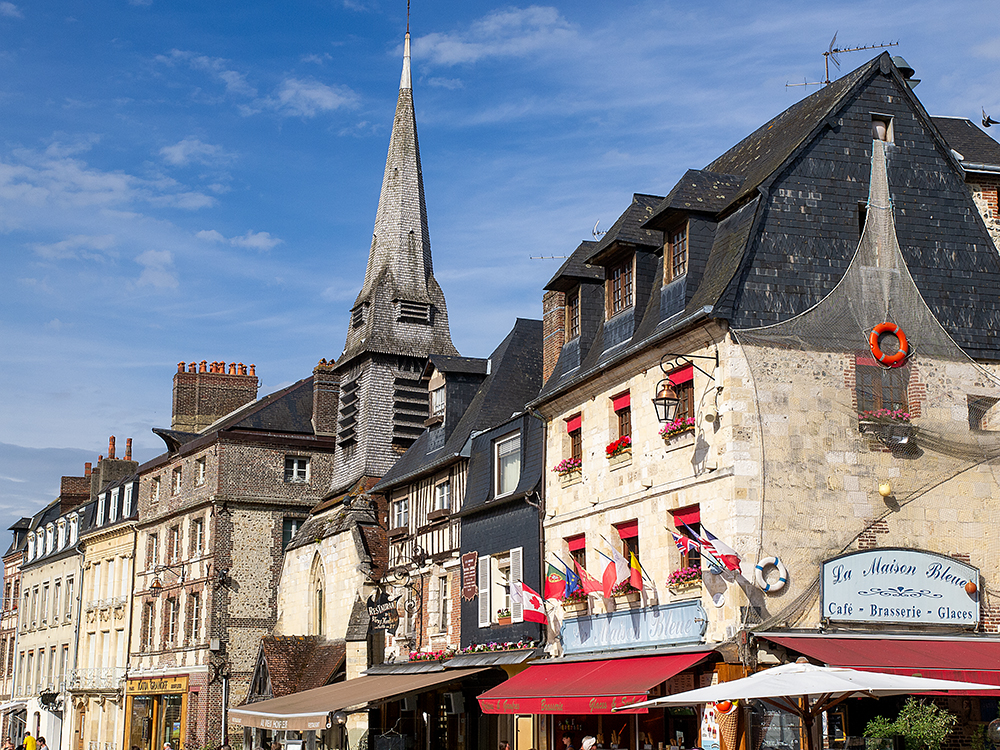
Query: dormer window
{"type": "Point", "coordinates": [675, 253]}
{"type": "Point", "coordinates": [573, 314]}
{"type": "Point", "coordinates": [619, 287]}
{"type": "Point", "coordinates": [437, 402]}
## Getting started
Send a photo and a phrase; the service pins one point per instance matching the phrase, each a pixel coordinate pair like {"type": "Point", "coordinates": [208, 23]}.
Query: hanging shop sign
{"type": "Point", "coordinates": [470, 560]}
{"type": "Point", "coordinates": [382, 612]}
{"type": "Point", "coordinates": [666, 624]}
{"type": "Point", "coordinates": [900, 586]}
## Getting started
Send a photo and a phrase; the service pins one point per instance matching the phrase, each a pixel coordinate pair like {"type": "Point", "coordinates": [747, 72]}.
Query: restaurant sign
{"type": "Point", "coordinates": [382, 612]}
{"type": "Point", "coordinates": [157, 685]}
{"type": "Point", "coordinates": [663, 625]}
{"type": "Point", "coordinates": [900, 586]}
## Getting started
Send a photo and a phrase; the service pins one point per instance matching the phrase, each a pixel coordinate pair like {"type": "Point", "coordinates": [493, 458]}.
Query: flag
{"type": "Point", "coordinates": [723, 551]}
{"type": "Point", "coordinates": [685, 543]}
{"type": "Point", "coordinates": [572, 581]}
{"type": "Point", "coordinates": [616, 571]}
{"type": "Point", "coordinates": [532, 604]}
{"type": "Point", "coordinates": [610, 579]}
{"type": "Point", "coordinates": [555, 583]}
{"type": "Point", "coordinates": [706, 548]}
{"type": "Point", "coordinates": [635, 577]}
{"type": "Point", "coordinates": [590, 584]}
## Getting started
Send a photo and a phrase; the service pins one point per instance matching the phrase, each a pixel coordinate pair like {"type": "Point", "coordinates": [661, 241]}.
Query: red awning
{"type": "Point", "coordinates": [585, 687]}
{"type": "Point", "coordinates": [689, 515]}
{"type": "Point", "coordinates": [624, 401]}
{"type": "Point", "coordinates": [628, 530]}
{"type": "Point", "coordinates": [578, 542]}
{"type": "Point", "coordinates": [681, 376]}
{"type": "Point", "coordinates": [968, 659]}
{"type": "Point", "coordinates": [573, 423]}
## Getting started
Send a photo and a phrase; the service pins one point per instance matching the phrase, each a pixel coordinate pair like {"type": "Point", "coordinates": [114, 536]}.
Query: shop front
{"type": "Point", "coordinates": [156, 712]}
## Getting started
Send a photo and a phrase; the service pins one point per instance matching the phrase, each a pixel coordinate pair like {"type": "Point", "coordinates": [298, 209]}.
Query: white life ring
{"type": "Point", "coordinates": [762, 580]}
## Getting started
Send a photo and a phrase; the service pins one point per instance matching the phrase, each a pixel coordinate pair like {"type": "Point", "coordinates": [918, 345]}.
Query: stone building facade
{"type": "Point", "coordinates": [215, 512]}
{"type": "Point", "coordinates": [13, 721]}
{"type": "Point", "coordinates": [979, 156]}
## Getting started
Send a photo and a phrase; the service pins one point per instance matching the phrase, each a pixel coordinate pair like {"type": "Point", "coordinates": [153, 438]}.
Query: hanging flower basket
{"type": "Point", "coordinates": [679, 426]}
{"type": "Point", "coordinates": [684, 579]}
{"type": "Point", "coordinates": [889, 426]}
{"type": "Point", "coordinates": [619, 446]}
{"type": "Point", "coordinates": [625, 594]}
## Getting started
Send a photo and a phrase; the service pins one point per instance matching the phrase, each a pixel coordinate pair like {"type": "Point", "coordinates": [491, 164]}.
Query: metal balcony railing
{"type": "Point", "coordinates": [97, 678]}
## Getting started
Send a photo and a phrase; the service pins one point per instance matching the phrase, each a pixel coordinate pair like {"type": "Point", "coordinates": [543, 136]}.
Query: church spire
{"type": "Point", "coordinates": [400, 307]}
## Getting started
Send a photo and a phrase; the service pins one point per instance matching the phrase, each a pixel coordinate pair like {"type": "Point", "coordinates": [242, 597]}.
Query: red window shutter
{"type": "Point", "coordinates": [623, 401]}
{"type": "Point", "coordinates": [681, 376]}
{"type": "Point", "coordinates": [689, 515]}
{"type": "Point", "coordinates": [573, 423]}
{"type": "Point", "coordinates": [576, 543]}
{"type": "Point", "coordinates": [628, 530]}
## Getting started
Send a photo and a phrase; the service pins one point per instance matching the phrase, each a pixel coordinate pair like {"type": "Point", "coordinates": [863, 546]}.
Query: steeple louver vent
{"type": "Point", "coordinates": [413, 312]}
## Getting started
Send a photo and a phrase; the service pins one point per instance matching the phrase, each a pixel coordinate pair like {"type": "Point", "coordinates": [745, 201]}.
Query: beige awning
{"type": "Point", "coordinates": [309, 709]}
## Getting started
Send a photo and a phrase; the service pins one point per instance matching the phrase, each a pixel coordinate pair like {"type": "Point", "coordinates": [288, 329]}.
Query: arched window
{"type": "Point", "coordinates": [317, 587]}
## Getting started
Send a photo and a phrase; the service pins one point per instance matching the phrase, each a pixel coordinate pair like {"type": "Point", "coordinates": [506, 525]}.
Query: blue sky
{"type": "Point", "coordinates": [197, 180]}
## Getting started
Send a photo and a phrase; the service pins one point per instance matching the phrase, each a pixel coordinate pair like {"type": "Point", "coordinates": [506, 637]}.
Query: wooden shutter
{"type": "Point", "coordinates": [516, 573]}
{"type": "Point", "coordinates": [483, 584]}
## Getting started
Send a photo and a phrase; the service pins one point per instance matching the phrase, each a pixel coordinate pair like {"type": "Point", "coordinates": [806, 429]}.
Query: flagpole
{"type": "Point", "coordinates": [641, 569]}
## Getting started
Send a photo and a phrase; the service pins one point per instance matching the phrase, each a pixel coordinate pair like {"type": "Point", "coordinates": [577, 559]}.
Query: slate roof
{"type": "Point", "coordinates": [446, 364]}
{"type": "Point", "coordinates": [700, 190]}
{"type": "Point", "coordinates": [576, 269]}
{"type": "Point", "coordinates": [976, 147]}
{"type": "Point", "coordinates": [628, 229]}
{"type": "Point", "coordinates": [301, 662]}
{"type": "Point", "coordinates": [515, 378]}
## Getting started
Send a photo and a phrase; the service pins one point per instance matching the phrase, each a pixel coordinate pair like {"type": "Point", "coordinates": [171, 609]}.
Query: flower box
{"type": "Point", "coordinates": [683, 588]}
{"type": "Point", "coordinates": [575, 608]}
{"type": "Point", "coordinates": [620, 459]}
{"type": "Point", "coordinates": [628, 600]}
{"type": "Point", "coordinates": [503, 620]}
{"type": "Point", "coordinates": [679, 426]}
{"type": "Point", "coordinates": [619, 446]}
{"type": "Point", "coordinates": [570, 478]}
{"type": "Point", "coordinates": [568, 466]}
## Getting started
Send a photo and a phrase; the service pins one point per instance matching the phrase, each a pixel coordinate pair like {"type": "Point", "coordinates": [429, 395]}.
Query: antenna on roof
{"type": "Point", "coordinates": [831, 54]}
{"type": "Point", "coordinates": [547, 257]}
{"type": "Point", "coordinates": [598, 235]}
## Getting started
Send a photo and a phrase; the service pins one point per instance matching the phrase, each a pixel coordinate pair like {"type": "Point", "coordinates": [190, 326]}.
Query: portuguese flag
{"type": "Point", "coordinates": [555, 583]}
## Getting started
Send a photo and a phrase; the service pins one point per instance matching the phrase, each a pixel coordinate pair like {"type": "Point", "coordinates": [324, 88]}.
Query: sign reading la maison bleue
{"type": "Point", "coordinates": [900, 586]}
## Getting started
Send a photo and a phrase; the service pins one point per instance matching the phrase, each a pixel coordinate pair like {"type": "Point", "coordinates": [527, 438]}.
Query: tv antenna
{"type": "Point", "coordinates": [831, 54]}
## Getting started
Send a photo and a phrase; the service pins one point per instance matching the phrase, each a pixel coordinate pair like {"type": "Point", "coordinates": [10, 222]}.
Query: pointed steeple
{"type": "Point", "coordinates": [400, 308]}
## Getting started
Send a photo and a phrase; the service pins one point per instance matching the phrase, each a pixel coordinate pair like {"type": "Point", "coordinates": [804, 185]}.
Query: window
{"type": "Point", "coordinates": [197, 536]}
{"type": "Point", "coordinates": [101, 503]}
{"type": "Point", "coordinates": [437, 402]}
{"type": "Point", "coordinates": [508, 463]}
{"type": "Point", "coordinates": [34, 606]}
{"type": "Point", "coordinates": [675, 257]}
{"type": "Point", "coordinates": [154, 490]}
{"type": "Point", "coordinates": [174, 544]}
{"type": "Point", "coordinates": [30, 673]}
{"type": "Point", "coordinates": [73, 527]}
{"type": "Point", "coordinates": [175, 481]}
{"type": "Point", "coordinates": [495, 574]}
{"type": "Point", "coordinates": [69, 598]}
{"type": "Point", "coordinates": [127, 504]}
{"type": "Point", "coordinates": [45, 604]}
{"type": "Point", "coordinates": [296, 469]}
{"type": "Point", "coordinates": [573, 314]}
{"type": "Point", "coordinates": [146, 634]}
{"type": "Point", "coordinates": [622, 405]}
{"type": "Point", "coordinates": [882, 128]}
{"type": "Point", "coordinates": [194, 617]}
{"type": "Point", "coordinates": [56, 600]}
{"type": "Point", "coordinates": [152, 551]}
{"type": "Point", "coordinates": [173, 610]}
{"type": "Point", "coordinates": [444, 604]}
{"type": "Point", "coordinates": [442, 496]}
{"type": "Point", "coordinates": [577, 546]}
{"type": "Point", "coordinates": [31, 547]}
{"type": "Point", "coordinates": [51, 669]}
{"type": "Point", "coordinates": [628, 532]}
{"type": "Point", "coordinates": [401, 512]}
{"type": "Point", "coordinates": [357, 316]}
{"type": "Point", "coordinates": [683, 383]}
{"type": "Point", "coordinates": [574, 429]}
{"type": "Point", "coordinates": [116, 494]}
{"type": "Point", "coordinates": [49, 538]}
{"type": "Point", "coordinates": [620, 287]}
{"type": "Point", "coordinates": [61, 534]}
{"type": "Point", "coordinates": [288, 529]}
{"type": "Point", "coordinates": [881, 387]}
{"type": "Point", "coordinates": [199, 471]}
{"type": "Point", "coordinates": [26, 613]}
{"type": "Point", "coordinates": [65, 662]}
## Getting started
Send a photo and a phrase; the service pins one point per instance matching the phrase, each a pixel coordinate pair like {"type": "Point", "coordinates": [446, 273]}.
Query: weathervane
{"type": "Point", "coordinates": [831, 54]}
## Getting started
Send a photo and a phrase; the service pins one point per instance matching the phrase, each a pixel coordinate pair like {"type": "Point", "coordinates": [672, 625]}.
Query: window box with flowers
{"type": "Point", "coordinates": [886, 425]}
{"type": "Point", "coordinates": [619, 452]}
{"type": "Point", "coordinates": [570, 471]}
{"type": "Point", "coordinates": [575, 604]}
{"type": "Point", "coordinates": [680, 426]}
{"type": "Point", "coordinates": [626, 595]}
{"type": "Point", "coordinates": [503, 616]}
{"type": "Point", "coordinates": [684, 579]}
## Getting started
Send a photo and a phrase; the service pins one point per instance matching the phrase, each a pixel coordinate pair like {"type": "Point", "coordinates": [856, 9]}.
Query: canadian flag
{"type": "Point", "coordinates": [531, 602]}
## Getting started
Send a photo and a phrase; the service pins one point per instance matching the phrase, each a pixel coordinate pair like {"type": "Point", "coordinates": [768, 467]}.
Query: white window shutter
{"type": "Point", "coordinates": [516, 574]}
{"type": "Point", "coordinates": [483, 584]}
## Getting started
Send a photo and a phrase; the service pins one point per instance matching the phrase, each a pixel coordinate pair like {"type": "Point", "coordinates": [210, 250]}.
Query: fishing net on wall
{"type": "Point", "coordinates": [834, 423]}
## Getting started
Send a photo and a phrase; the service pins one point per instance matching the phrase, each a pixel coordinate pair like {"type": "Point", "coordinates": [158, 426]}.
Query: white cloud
{"type": "Point", "coordinates": [252, 240]}
{"type": "Point", "coordinates": [9, 10]}
{"type": "Point", "coordinates": [446, 83]}
{"type": "Point", "coordinates": [318, 59]}
{"type": "Point", "coordinates": [190, 150]}
{"type": "Point", "coordinates": [511, 32]}
{"type": "Point", "coordinates": [235, 82]}
{"type": "Point", "coordinates": [306, 98]}
{"type": "Point", "coordinates": [156, 271]}
{"type": "Point", "coordinates": [77, 246]}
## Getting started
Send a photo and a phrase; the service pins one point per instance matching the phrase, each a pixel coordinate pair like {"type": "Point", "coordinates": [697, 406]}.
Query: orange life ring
{"type": "Point", "coordinates": [888, 359]}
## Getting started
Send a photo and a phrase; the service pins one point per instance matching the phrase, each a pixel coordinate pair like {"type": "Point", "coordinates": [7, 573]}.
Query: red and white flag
{"type": "Point", "coordinates": [532, 606]}
{"type": "Point", "coordinates": [722, 551]}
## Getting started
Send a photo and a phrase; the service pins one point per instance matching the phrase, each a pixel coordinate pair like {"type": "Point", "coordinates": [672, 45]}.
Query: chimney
{"type": "Point", "coordinates": [86, 469]}
{"type": "Point", "coordinates": [111, 447]}
{"type": "Point", "coordinates": [74, 491]}
{"type": "Point", "coordinates": [553, 330]}
{"type": "Point", "coordinates": [205, 393]}
{"type": "Point", "coordinates": [111, 469]}
{"type": "Point", "coordinates": [128, 449]}
{"type": "Point", "coordinates": [326, 398]}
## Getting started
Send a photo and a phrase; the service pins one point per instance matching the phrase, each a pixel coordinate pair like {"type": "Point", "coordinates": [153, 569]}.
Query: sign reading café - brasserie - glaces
{"type": "Point", "coordinates": [900, 586]}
